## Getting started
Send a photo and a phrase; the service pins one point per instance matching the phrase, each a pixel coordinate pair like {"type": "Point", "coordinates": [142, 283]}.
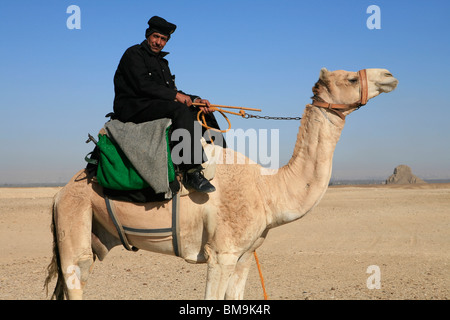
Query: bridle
{"type": "Point", "coordinates": [363, 91]}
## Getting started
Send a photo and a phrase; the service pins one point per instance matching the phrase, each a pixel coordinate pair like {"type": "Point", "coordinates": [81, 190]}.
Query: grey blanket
{"type": "Point", "coordinates": [145, 146]}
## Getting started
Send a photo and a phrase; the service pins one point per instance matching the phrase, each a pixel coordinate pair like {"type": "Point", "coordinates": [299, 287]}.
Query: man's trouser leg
{"type": "Point", "coordinates": [182, 118]}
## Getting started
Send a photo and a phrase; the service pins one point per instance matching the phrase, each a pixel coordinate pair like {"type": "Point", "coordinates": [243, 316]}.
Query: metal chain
{"type": "Point", "coordinates": [248, 116]}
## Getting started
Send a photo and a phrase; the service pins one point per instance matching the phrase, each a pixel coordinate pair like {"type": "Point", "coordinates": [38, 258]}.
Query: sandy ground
{"type": "Point", "coordinates": [404, 231]}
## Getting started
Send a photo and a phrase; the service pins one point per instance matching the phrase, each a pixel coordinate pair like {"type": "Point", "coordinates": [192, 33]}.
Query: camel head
{"type": "Point", "coordinates": [349, 90]}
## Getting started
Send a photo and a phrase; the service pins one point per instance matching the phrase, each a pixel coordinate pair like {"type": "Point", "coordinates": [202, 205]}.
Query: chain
{"type": "Point", "coordinates": [248, 116]}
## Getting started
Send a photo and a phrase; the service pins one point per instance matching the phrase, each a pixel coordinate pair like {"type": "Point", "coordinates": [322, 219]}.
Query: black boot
{"type": "Point", "coordinates": [193, 178]}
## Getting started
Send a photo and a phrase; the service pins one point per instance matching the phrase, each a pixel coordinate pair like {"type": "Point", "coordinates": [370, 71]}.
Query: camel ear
{"type": "Point", "coordinates": [323, 73]}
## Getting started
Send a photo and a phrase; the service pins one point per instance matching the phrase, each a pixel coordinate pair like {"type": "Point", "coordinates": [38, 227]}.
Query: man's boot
{"type": "Point", "coordinates": [193, 178]}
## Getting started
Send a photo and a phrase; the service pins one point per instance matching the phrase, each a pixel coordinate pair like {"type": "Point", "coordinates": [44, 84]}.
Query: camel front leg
{"type": "Point", "coordinates": [236, 285]}
{"type": "Point", "coordinates": [221, 267]}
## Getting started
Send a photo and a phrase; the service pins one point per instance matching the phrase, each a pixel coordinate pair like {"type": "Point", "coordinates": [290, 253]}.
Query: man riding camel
{"type": "Point", "coordinates": [145, 90]}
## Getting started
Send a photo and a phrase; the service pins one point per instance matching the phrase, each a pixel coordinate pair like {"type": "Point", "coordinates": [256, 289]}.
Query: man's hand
{"type": "Point", "coordinates": [183, 99]}
{"type": "Point", "coordinates": [207, 108]}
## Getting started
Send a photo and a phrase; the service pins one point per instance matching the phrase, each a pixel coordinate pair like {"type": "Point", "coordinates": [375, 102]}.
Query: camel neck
{"type": "Point", "coordinates": [298, 186]}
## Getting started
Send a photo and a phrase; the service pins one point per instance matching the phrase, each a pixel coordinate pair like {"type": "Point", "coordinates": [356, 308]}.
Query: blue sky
{"type": "Point", "coordinates": [57, 83]}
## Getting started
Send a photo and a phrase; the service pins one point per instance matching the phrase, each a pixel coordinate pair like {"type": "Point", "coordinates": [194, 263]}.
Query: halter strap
{"type": "Point", "coordinates": [363, 92]}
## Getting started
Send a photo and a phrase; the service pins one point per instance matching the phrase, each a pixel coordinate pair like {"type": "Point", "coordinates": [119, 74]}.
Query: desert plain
{"type": "Point", "coordinates": [389, 242]}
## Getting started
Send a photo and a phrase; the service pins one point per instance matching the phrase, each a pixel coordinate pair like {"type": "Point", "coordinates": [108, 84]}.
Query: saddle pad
{"type": "Point", "coordinates": [145, 145]}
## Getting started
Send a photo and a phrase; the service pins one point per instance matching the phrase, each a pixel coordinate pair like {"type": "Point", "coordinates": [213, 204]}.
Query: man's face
{"type": "Point", "coordinates": [157, 41]}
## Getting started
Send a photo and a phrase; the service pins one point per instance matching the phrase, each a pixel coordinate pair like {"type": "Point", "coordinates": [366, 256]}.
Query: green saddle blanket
{"type": "Point", "coordinates": [115, 171]}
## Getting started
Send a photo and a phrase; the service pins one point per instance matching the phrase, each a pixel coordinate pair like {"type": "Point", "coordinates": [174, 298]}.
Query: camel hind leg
{"type": "Point", "coordinates": [74, 255]}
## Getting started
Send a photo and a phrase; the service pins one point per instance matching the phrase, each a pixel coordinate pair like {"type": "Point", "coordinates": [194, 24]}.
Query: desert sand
{"type": "Point", "coordinates": [403, 230]}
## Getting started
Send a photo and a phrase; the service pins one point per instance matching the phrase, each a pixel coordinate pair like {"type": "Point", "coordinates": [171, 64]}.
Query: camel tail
{"type": "Point", "coordinates": [54, 268]}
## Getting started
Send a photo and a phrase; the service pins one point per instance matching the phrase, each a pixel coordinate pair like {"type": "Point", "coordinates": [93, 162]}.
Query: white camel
{"type": "Point", "coordinates": [225, 227]}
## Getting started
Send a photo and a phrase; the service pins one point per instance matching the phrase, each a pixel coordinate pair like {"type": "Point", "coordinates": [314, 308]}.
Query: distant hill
{"type": "Point", "coordinates": [403, 175]}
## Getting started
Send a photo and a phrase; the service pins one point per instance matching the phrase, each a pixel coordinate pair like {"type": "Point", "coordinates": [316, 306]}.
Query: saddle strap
{"type": "Point", "coordinates": [175, 224]}
{"type": "Point", "coordinates": [122, 230]}
{"type": "Point", "coordinates": [118, 225]}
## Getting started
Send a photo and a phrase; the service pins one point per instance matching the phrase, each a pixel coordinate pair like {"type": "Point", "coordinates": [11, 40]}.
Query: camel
{"type": "Point", "coordinates": [223, 228]}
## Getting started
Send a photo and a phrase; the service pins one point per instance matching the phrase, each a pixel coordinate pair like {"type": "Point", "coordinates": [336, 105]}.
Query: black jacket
{"type": "Point", "coordinates": [141, 77]}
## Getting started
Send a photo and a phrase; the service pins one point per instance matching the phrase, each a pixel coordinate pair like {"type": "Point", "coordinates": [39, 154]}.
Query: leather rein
{"type": "Point", "coordinates": [363, 91]}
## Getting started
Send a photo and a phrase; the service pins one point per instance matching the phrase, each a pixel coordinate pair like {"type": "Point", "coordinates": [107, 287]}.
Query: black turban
{"type": "Point", "coordinates": [160, 25]}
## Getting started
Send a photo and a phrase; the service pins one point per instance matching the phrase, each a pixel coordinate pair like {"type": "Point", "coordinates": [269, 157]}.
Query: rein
{"type": "Point", "coordinates": [338, 108]}
{"type": "Point", "coordinates": [334, 107]}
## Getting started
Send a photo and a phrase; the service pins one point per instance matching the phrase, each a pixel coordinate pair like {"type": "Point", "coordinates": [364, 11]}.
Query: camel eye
{"type": "Point", "coordinates": [352, 81]}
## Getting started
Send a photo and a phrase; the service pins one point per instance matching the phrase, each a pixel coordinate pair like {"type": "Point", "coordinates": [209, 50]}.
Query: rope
{"type": "Point", "coordinates": [215, 107]}
{"type": "Point", "coordinates": [260, 276]}
{"type": "Point", "coordinates": [203, 121]}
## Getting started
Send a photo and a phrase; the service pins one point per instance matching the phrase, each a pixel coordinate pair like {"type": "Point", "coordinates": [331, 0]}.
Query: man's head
{"type": "Point", "coordinates": [158, 33]}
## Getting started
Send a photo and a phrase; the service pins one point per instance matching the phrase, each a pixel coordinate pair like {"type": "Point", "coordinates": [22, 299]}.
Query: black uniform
{"type": "Point", "coordinates": [145, 90]}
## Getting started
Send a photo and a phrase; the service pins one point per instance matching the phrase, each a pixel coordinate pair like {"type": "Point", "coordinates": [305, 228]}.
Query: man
{"type": "Point", "coordinates": [145, 90]}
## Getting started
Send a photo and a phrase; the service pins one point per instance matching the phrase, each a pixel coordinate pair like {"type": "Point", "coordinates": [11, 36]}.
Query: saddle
{"type": "Point", "coordinates": [132, 162]}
